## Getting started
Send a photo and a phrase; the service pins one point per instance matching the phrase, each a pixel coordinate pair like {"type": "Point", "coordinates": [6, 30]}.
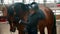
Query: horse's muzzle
{"type": "Point", "coordinates": [13, 30]}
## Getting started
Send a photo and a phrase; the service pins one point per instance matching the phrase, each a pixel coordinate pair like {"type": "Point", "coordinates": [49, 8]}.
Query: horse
{"type": "Point", "coordinates": [14, 13]}
{"type": "Point", "coordinates": [49, 22]}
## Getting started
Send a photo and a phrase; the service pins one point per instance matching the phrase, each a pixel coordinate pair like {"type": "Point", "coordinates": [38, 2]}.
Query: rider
{"type": "Point", "coordinates": [35, 15]}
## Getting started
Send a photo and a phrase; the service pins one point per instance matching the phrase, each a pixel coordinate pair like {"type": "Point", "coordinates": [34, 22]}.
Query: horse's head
{"type": "Point", "coordinates": [10, 17]}
{"type": "Point", "coordinates": [21, 10]}
{"type": "Point", "coordinates": [18, 9]}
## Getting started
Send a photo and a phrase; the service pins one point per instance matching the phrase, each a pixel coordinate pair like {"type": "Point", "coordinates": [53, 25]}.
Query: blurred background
{"type": "Point", "coordinates": [54, 5]}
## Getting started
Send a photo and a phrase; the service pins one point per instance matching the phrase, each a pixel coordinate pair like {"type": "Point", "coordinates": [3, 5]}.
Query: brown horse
{"type": "Point", "coordinates": [11, 12]}
{"type": "Point", "coordinates": [48, 22]}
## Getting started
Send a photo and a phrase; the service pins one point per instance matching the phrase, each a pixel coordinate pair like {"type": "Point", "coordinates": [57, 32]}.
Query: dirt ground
{"type": "Point", "coordinates": [4, 29]}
